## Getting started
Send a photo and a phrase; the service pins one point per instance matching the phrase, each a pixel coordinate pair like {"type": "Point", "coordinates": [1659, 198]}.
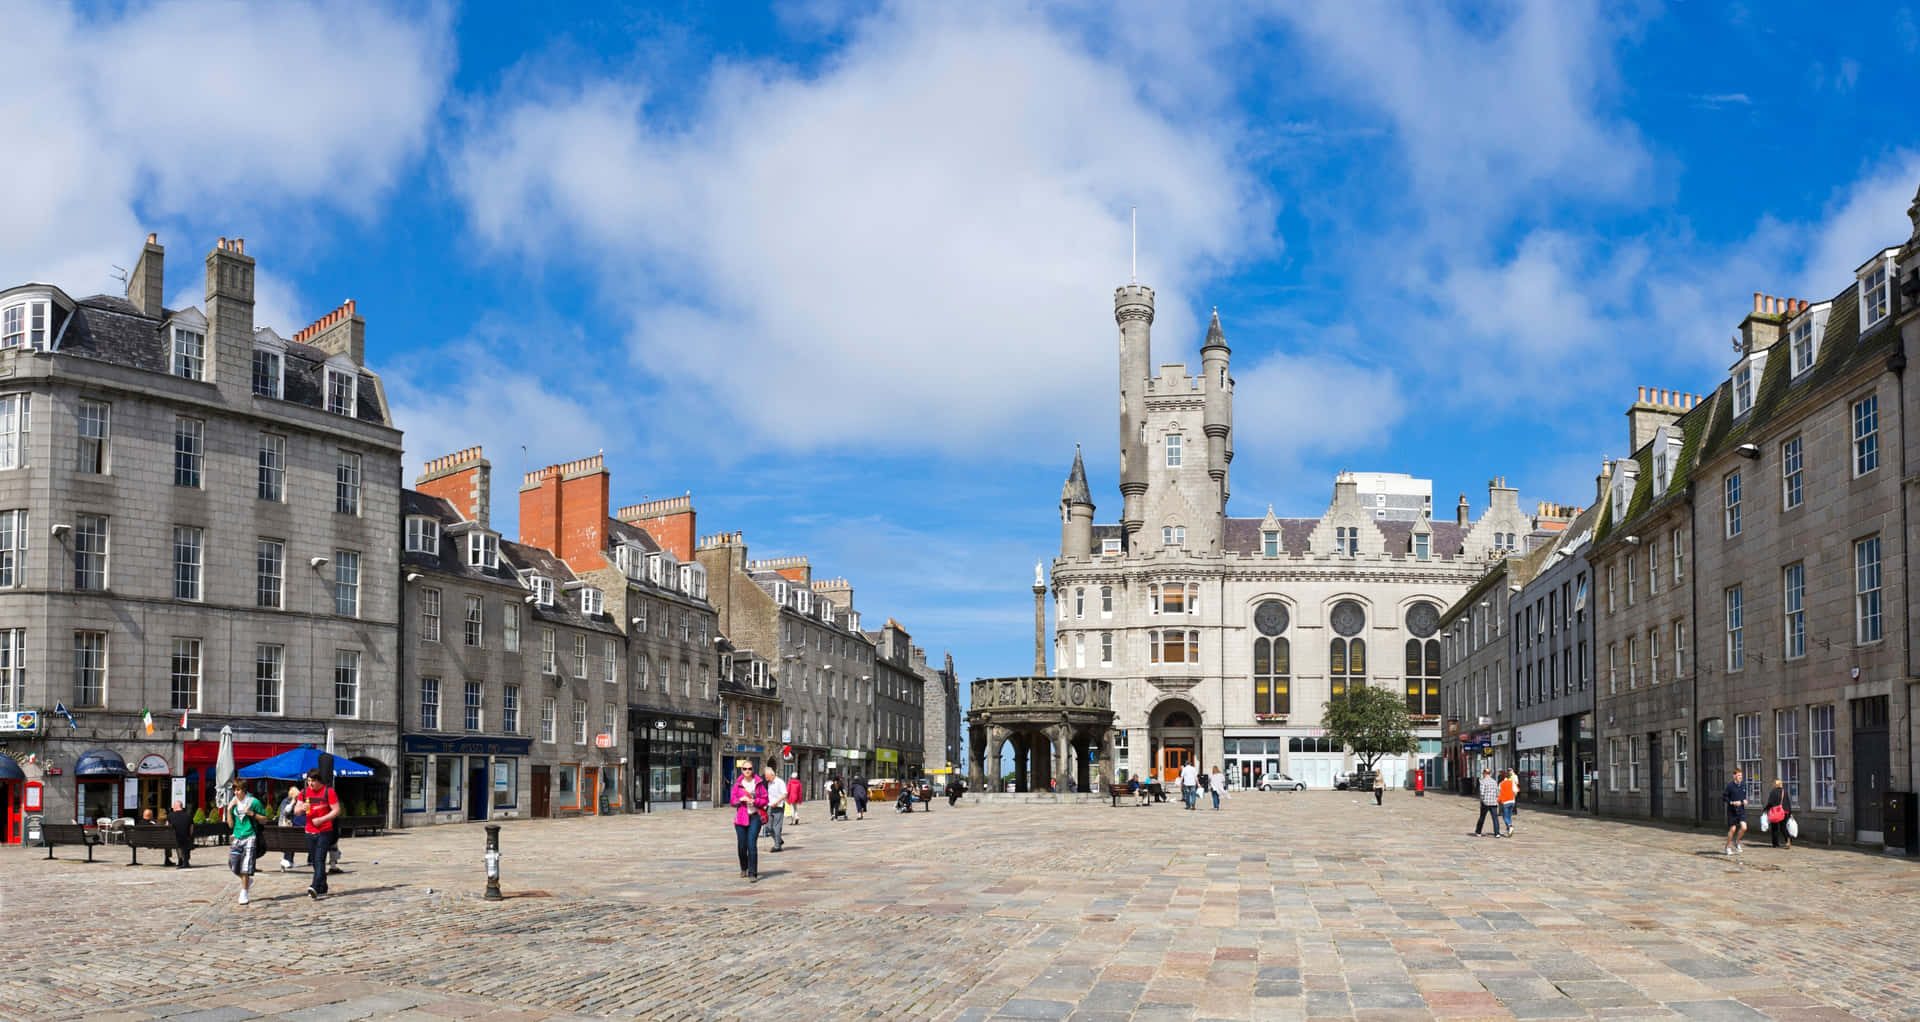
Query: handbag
{"type": "Point", "coordinates": [1777, 814]}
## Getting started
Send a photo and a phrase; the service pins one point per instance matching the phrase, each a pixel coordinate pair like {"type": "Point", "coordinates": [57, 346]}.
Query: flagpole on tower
{"type": "Point", "coordinates": [1133, 265]}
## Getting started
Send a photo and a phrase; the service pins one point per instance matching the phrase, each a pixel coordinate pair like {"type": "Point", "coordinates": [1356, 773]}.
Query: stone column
{"type": "Point", "coordinates": [1064, 768]}
{"type": "Point", "coordinates": [1039, 626]}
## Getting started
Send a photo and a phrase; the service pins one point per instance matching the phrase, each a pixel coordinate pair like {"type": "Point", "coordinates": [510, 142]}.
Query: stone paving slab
{"type": "Point", "coordinates": [1281, 906]}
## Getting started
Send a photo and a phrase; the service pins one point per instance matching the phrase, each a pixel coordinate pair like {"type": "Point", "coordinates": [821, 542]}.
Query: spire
{"type": "Point", "coordinates": [1075, 491]}
{"type": "Point", "coordinates": [1216, 338]}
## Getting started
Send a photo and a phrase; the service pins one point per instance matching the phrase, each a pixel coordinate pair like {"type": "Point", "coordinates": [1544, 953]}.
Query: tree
{"type": "Point", "coordinates": [1370, 721]}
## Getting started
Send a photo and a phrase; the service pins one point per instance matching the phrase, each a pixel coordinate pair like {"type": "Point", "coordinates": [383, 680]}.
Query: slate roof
{"type": "Point", "coordinates": [1710, 431]}
{"type": "Point", "coordinates": [565, 609]}
{"type": "Point", "coordinates": [1075, 491]}
{"type": "Point", "coordinates": [109, 329]}
{"type": "Point", "coordinates": [452, 558]}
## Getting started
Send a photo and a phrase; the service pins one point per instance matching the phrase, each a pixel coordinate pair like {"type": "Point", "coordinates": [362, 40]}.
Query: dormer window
{"type": "Point", "coordinates": [269, 373]}
{"type": "Point", "coordinates": [1173, 535]}
{"type": "Point", "coordinates": [189, 354]}
{"type": "Point", "coordinates": [632, 560]}
{"type": "Point", "coordinates": [483, 550]}
{"type": "Point", "coordinates": [343, 388]}
{"type": "Point", "coordinates": [1876, 290]}
{"type": "Point", "coordinates": [592, 602]}
{"type": "Point", "coordinates": [1623, 480]}
{"type": "Point", "coordinates": [1270, 543]}
{"type": "Point", "coordinates": [1800, 342]}
{"type": "Point", "coordinates": [826, 609]}
{"type": "Point", "coordinates": [1109, 548]}
{"type": "Point", "coordinates": [1346, 540]}
{"type": "Point", "coordinates": [1666, 455]}
{"type": "Point", "coordinates": [803, 601]}
{"type": "Point", "coordinates": [24, 325]}
{"type": "Point", "coordinates": [423, 535]}
{"type": "Point", "coordinates": [542, 587]}
{"type": "Point", "coordinates": [1746, 382]}
{"type": "Point", "coordinates": [853, 621]}
{"type": "Point", "coordinates": [1422, 546]}
{"type": "Point", "coordinates": [780, 593]}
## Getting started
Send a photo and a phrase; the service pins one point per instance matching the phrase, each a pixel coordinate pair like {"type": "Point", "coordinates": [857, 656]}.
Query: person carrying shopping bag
{"type": "Point", "coordinates": [1779, 814]}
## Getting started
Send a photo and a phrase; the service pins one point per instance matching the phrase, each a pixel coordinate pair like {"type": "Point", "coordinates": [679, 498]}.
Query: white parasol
{"type": "Point", "coordinates": [223, 765]}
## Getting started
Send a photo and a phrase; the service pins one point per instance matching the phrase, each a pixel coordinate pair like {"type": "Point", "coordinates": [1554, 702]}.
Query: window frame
{"type": "Point", "coordinates": [348, 482]}
{"type": "Point", "coordinates": [1864, 414]}
{"type": "Point", "coordinates": [423, 535]}
{"type": "Point", "coordinates": [189, 452]}
{"type": "Point", "coordinates": [1869, 581]}
{"type": "Point", "coordinates": [189, 574]}
{"type": "Point", "coordinates": [1793, 610]}
{"type": "Point", "coordinates": [90, 679]}
{"type": "Point", "coordinates": [1730, 495]}
{"type": "Point", "coordinates": [188, 361]}
{"type": "Point", "coordinates": [1792, 473]}
{"type": "Point", "coordinates": [346, 583]}
{"type": "Point", "coordinates": [270, 679]}
{"type": "Point", "coordinates": [269, 573]}
{"type": "Point", "coordinates": [91, 562]}
{"type": "Point", "coordinates": [1734, 604]}
{"type": "Point", "coordinates": [93, 433]}
{"type": "Point", "coordinates": [270, 468]}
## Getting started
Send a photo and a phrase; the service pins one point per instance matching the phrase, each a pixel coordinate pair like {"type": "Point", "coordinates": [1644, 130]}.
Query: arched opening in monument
{"type": "Point", "coordinates": [1173, 735]}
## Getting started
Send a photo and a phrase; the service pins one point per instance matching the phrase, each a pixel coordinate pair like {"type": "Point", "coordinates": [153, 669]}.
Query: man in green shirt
{"type": "Point", "coordinates": [245, 813]}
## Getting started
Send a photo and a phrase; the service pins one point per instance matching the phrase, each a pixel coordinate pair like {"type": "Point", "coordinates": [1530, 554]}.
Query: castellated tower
{"type": "Point", "coordinates": [1217, 422]}
{"type": "Point", "coordinates": [1133, 311]}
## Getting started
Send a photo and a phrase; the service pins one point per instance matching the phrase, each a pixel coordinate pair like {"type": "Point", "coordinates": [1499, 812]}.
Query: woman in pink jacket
{"type": "Point", "coordinates": [749, 812]}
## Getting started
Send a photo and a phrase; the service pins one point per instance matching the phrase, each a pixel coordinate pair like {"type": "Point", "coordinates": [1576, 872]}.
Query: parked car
{"type": "Point", "coordinates": [1281, 782]}
{"type": "Point", "coordinates": [1340, 782]}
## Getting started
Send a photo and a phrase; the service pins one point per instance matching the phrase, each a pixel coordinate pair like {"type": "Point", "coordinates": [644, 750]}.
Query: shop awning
{"type": "Point", "coordinates": [101, 763]}
{"type": "Point", "coordinates": [9, 770]}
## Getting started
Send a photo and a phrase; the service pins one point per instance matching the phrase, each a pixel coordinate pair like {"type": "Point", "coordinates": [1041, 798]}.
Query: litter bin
{"type": "Point", "coordinates": [1899, 829]}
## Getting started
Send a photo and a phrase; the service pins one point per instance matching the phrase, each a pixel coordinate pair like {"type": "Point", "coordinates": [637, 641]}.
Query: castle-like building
{"type": "Point", "coordinates": [1223, 636]}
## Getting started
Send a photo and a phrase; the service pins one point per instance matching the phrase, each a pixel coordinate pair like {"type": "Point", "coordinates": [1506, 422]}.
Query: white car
{"type": "Point", "coordinates": [1281, 782]}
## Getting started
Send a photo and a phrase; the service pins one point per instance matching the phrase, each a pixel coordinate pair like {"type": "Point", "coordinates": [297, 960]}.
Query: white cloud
{"type": "Point", "coordinates": [194, 118]}
{"type": "Point", "coordinates": [912, 248]}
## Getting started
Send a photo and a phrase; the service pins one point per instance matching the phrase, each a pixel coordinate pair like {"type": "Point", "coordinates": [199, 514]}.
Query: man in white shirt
{"type": "Point", "coordinates": [1189, 784]}
{"type": "Point", "coordinates": [776, 807]}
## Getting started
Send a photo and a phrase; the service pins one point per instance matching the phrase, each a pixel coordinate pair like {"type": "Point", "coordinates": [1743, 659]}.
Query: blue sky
{"type": "Point", "coordinates": [844, 271]}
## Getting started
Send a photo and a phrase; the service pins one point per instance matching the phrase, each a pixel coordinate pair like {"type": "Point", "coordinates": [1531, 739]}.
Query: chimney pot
{"type": "Point", "coordinates": [1756, 301]}
{"type": "Point", "coordinates": [153, 239]}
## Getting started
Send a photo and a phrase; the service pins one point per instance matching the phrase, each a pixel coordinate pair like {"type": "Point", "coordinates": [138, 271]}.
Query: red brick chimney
{"type": "Point", "coordinates": [670, 522]}
{"type": "Point", "coordinates": [463, 479]}
{"type": "Point", "coordinates": [563, 508]}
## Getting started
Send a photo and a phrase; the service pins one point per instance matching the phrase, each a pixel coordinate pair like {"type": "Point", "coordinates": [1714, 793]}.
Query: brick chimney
{"type": "Point", "coordinates": [563, 508]}
{"type": "Point", "coordinates": [463, 479]}
{"type": "Point", "coordinates": [1654, 408]}
{"type": "Point", "coordinates": [670, 522]}
{"type": "Point", "coordinates": [146, 286]}
{"type": "Point", "coordinates": [794, 569]}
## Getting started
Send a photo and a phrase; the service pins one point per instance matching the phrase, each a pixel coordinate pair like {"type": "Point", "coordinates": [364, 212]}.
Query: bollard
{"type": "Point", "coordinates": [493, 862]}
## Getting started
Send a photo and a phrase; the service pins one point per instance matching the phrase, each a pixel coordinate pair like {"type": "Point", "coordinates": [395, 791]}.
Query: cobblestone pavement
{"type": "Point", "coordinates": [1279, 906]}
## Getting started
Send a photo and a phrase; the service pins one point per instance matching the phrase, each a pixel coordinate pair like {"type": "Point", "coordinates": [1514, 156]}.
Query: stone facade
{"type": "Point", "coordinates": [1224, 636]}
{"type": "Point", "coordinates": [188, 536]}
{"type": "Point", "coordinates": [898, 721]}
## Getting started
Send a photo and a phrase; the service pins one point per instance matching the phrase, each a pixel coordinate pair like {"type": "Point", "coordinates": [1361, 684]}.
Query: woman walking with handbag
{"type": "Point", "coordinates": [750, 811]}
{"type": "Point", "coordinates": [1779, 811]}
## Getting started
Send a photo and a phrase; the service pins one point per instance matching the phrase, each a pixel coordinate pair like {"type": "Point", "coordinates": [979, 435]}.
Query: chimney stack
{"type": "Point", "coordinates": [340, 332]}
{"type": "Point", "coordinates": [147, 284]}
{"type": "Point", "coordinates": [1463, 514]}
{"type": "Point", "coordinates": [670, 522]}
{"type": "Point", "coordinates": [229, 316]}
{"type": "Point", "coordinates": [1761, 329]}
{"type": "Point", "coordinates": [1653, 408]}
{"type": "Point", "coordinates": [463, 479]}
{"type": "Point", "coordinates": [563, 508]}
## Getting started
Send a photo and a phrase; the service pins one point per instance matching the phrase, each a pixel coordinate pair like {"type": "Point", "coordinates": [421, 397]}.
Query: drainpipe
{"type": "Point", "coordinates": [1897, 365]}
{"type": "Point", "coordinates": [1693, 711]}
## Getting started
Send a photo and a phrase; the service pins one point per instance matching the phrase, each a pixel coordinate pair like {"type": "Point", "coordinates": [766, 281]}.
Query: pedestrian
{"type": "Point", "coordinates": [776, 808]}
{"type": "Point", "coordinates": [321, 804]}
{"type": "Point", "coordinates": [182, 823]}
{"type": "Point", "coordinates": [1735, 797]}
{"type": "Point", "coordinates": [1379, 787]}
{"type": "Point", "coordinates": [289, 817]}
{"type": "Point", "coordinates": [796, 793]}
{"type": "Point", "coordinates": [1509, 794]}
{"type": "Point", "coordinates": [953, 791]}
{"type": "Point", "coordinates": [1489, 803]}
{"type": "Point", "coordinates": [1189, 784]}
{"type": "Point", "coordinates": [1779, 811]}
{"type": "Point", "coordinates": [1217, 786]}
{"type": "Point", "coordinates": [244, 814]}
{"type": "Point", "coordinates": [749, 812]}
{"type": "Point", "coordinates": [836, 807]}
{"type": "Point", "coordinates": [860, 796]}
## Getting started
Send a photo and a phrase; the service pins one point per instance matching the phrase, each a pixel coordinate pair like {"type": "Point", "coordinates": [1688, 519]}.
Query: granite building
{"type": "Point", "coordinates": [198, 522]}
{"type": "Point", "coordinates": [899, 694]}
{"type": "Point", "coordinates": [1224, 636]}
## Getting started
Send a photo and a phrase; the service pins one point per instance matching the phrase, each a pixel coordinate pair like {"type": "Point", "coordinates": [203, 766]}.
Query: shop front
{"type": "Point", "coordinates": [1577, 749]}
{"type": "Point", "coordinates": [732, 754]}
{"type": "Point", "coordinates": [1538, 762]}
{"type": "Point", "coordinates": [672, 760]}
{"type": "Point", "coordinates": [1313, 758]}
{"type": "Point", "coordinates": [1250, 757]}
{"type": "Point", "coordinates": [452, 780]}
{"type": "Point", "coordinates": [887, 763]}
{"type": "Point", "coordinates": [13, 784]}
{"type": "Point", "coordinates": [99, 777]}
{"type": "Point", "coordinates": [848, 764]}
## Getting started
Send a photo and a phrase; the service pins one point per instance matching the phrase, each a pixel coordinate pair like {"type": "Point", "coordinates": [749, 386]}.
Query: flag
{"type": "Point", "coordinates": [183, 720]}
{"type": "Point", "coordinates": [146, 717]}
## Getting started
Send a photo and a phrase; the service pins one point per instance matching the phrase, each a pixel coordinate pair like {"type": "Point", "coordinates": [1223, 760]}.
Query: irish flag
{"type": "Point", "coordinates": [146, 717]}
{"type": "Point", "coordinates": [183, 719]}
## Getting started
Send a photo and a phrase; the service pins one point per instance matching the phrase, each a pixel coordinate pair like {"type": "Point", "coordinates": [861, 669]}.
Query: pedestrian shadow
{"type": "Point", "coordinates": [357, 891]}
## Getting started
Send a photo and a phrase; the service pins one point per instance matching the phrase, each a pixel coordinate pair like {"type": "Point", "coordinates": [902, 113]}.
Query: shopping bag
{"type": "Point", "coordinates": [1793, 827]}
{"type": "Point", "coordinates": [1766, 823]}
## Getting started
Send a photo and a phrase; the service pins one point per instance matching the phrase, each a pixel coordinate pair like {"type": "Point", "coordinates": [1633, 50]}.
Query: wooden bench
{"type": "Point", "coordinates": [285, 840]}
{"type": "Point", "coordinates": [68, 834]}
{"type": "Point", "coordinates": [149, 837]}
{"type": "Point", "coordinates": [359, 825]}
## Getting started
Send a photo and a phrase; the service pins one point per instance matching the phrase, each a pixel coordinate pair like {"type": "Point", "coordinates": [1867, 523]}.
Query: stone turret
{"type": "Point", "coordinates": [1133, 312]}
{"type": "Point", "coordinates": [1217, 418]}
{"type": "Point", "coordinates": [1076, 511]}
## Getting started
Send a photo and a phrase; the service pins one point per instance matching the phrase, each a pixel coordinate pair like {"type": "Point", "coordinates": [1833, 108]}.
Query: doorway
{"type": "Point", "coordinates": [1656, 776]}
{"type": "Point", "coordinates": [1871, 763]}
{"type": "Point", "coordinates": [10, 807]}
{"type": "Point", "coordinates": [1175, 740]}
{"type": "Point", "coordinates": [590, 790]}
{"type": "Point", "coordinates": [479, 788]}
{"type": "Point", "coordinates": [542, 792]}
{"type": "Point", "coordinates": [1713, 765]}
